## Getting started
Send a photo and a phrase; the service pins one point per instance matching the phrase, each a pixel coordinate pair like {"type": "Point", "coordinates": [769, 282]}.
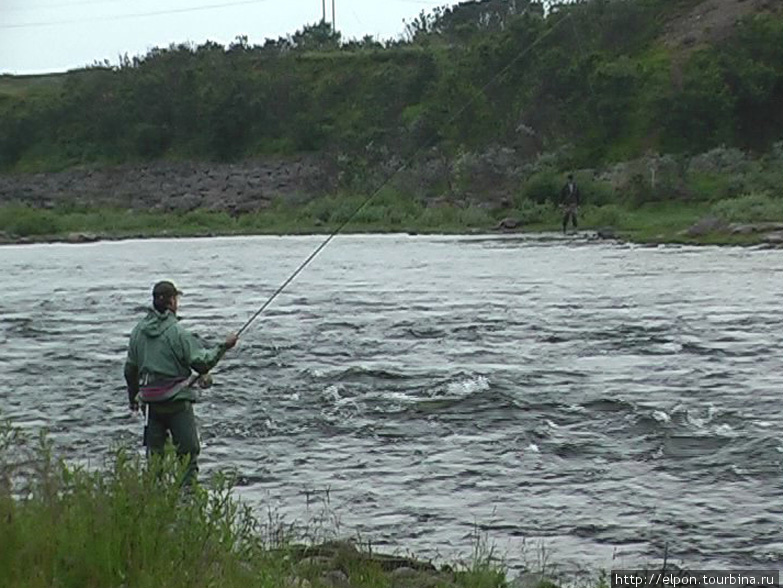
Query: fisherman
{"type": "Point", "coordinates": [569, 201]}
{"type": "Point", "coordinates": [161, 355]}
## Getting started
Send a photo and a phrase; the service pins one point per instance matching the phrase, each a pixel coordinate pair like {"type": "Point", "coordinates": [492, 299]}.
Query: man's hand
{"type": "Point", "coordinates": [134, 407]}
{"type": "Point", "coordinates": [231, 340]}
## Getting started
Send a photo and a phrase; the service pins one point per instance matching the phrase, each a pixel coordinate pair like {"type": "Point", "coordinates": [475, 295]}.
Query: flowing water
{"type": "Point", "coordinates": [592, 404]}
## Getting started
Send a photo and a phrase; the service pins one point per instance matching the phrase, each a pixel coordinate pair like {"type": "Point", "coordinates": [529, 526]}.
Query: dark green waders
{"type": "Point", "coordinates": [178, 419]}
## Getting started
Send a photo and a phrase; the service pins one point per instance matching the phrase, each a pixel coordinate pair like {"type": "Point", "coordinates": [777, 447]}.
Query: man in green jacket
{"type": "Point", "coordinates": [161, 355]}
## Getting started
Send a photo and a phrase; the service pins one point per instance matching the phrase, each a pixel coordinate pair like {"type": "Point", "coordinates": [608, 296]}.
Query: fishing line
{"type": "Point", "coordinates": [391, 176]}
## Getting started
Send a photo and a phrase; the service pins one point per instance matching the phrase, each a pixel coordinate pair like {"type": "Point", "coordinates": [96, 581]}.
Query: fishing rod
{"type": "Point", "coordinates": [388, 179]}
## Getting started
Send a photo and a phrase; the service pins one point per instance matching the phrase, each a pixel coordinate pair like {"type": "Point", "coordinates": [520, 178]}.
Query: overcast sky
{"type": "Point", "coordinates": [40, 36]}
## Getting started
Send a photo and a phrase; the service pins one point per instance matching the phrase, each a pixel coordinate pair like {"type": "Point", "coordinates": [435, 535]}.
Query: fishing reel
{"type": "Point", "coordinates": [205, 381]}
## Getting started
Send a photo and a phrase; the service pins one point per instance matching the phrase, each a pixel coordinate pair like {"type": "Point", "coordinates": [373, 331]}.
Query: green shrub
{"type": "Point", "coordinates": [609, 215]}
{"type": "Point", "coordinates": [126, 525]}
{"type": "Point", "coordinates": [532, 213]}
{"type": "Point", "coordinates": [208, 219]}
{"type": "Point", "coordinates": [474, 216]}
{"type": "Point", "coordinates": [438, 216]}
{"type": "Point", "coordinates": [542, 187]}
{"type": "Point", "coordinates": [25, 221]}
{"type": "Point", "coordinates": [712, 187]}
{"type": "Point", "coordinates": [596, 193]}
{"type": "Point", "coordinates": [750, 208]}
{"type": "Point", "coordinates": [130, 524]}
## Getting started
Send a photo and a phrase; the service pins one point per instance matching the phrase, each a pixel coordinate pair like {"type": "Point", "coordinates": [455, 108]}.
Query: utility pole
{"type": "Point", "coordinates": [323, 2]}
{"type": "Point", "coordinates": [334, 22]}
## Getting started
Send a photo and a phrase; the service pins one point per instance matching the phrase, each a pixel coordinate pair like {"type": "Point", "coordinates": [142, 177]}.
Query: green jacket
{"type": "Point", "coordinates": [161, 355]}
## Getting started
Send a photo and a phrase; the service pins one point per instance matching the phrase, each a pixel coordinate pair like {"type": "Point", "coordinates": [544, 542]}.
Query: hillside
{"type": "Point", "coordinates": [485, 103]}
{"type": "Point", "coordinates": [712, 21]}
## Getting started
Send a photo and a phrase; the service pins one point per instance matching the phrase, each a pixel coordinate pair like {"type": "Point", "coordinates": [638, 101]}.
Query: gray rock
{"type": "Point", "coordinates": [707, 225]}
{"type": "Point", "coordinates": [531, 580]}
{"type": "Point", "coordinates": [335, 578]}
{"type": "Point", "coordinates": [181, 185]}
{"type": "Point", "coordinates": [509, 223]}
{"type": "Point", "coordinates": [404, 572]}
{"type": "Point", "coordinates": [747, 229]}
{"type": "Point", "coordinates": [606, 233]}
{"type": "Point", "coordinates": [81, 238]}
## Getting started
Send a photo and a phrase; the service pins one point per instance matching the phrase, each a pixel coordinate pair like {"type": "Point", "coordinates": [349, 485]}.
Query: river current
{"type": "Point", "coordinates": [588, 403]}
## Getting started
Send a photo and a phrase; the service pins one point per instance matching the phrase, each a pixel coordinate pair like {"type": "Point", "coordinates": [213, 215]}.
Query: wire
{"type": "Point", "coordinates": [62, 5]}
{"type": "Point", "coordinates": [135, 15]}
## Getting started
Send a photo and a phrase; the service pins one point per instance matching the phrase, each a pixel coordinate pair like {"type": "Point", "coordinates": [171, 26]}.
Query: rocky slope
{"type": "Point", "coordinates": [236, 188]}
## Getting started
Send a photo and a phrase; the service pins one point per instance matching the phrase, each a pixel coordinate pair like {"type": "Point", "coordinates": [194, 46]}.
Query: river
{"type": "Point", "coordinates": [577, 403]}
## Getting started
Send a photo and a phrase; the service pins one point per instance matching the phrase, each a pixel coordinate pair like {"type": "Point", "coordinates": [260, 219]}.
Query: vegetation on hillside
{"type": "Point", "coordinates": [473, 117]}
{"type": "Point", "coordinates": [591, 77]}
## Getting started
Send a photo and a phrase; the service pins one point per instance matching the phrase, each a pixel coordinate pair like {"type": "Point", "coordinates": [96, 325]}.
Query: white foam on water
{"type": "Point", "coordinates": [468, 386]}
{"type": "Point", "coordinates": [393, 395]}
{"type": "Point", "coordinates": [331, 393]}
{"type": "Point", "coordinates": [661, 416]}
{"type": "Point", "coordinates": [576, 408]}
{"type": "Point", "coordinates": [725, 430]}
{"type": "Point", "coordinates": [740, 471]}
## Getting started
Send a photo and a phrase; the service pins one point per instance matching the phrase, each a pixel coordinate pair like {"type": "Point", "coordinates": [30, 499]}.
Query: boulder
{"type": "Point", "coordinates": [606, 233]}
{"type": "Point", "coordinates": [747, 229]}
{"type": "Point", "coordinates": [707, 225]}
{"type": "Point", "coordinates": [774, 238]}
{"type": "Point", "coordinates": [81, 238]}
{"type": "Point", "coordinates": [509, 223]}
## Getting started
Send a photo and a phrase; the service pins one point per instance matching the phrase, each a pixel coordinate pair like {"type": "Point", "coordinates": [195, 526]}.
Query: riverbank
{"type": "Point", "coordinates": [695, 224]}
{"type": "Point", "coordinates": [724, 196]}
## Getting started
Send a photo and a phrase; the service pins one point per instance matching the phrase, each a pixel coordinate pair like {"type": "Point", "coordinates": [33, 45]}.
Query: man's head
{"type": "Point", "coordinates": [164, 296]}
{"type": "Point", "coordinates": [570, 177]}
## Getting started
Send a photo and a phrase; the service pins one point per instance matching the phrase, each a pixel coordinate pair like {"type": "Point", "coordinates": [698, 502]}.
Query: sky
{"type": "Point", "coordinates": [44, 36]}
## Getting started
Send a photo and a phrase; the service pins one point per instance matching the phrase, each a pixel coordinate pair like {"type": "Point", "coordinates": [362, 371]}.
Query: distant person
{"type": "Point", "coordinates": [161, 355]}
{"type": "Point", "coordinates": [569, 201]}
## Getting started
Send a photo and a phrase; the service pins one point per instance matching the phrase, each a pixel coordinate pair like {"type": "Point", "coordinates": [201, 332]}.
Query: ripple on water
{"type": "Point", "coordinates": [610, 402]}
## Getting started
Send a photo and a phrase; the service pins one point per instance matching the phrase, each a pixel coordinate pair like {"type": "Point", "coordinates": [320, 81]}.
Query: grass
{"type": "Point", "coordinates": [130, 525]}
{"type": "Point", "coordinates": [20, 86]}
{"type": "Point", "coordinates": [652, 222]}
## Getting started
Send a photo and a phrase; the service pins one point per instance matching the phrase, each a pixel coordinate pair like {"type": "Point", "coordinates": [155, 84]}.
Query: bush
{"type": "Point", "coordinates": [440, 216]}
{"type": "Point", "coordinates": [714, 186]}
{"type": "Point", "coordinates": [128, 525]}
{"type": "Point", "coordinates": [750, 208]}
{"type": "Point", "coordinates": [531, 213]}
{"type": "Point", "coordinates": [596, 193]}
{"type": "Point", "coordinates": [475, 217]}
{"type": "Point", "coordinates": [542, 187]}
{"type": "Point", "coordinates": [24, 221]}
{"type": "Point", "coordinates": [610, 215]}
{"type": "Point", "coordinates": [207, 219]}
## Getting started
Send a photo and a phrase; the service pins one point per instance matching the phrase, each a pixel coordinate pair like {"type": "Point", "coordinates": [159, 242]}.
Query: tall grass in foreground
{"type": "Point", "coordinates": [129, 525]}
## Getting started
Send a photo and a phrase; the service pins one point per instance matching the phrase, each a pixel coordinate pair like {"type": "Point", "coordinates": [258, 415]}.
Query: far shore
{"type": "Point", "coordinates": [651, 224]}
{"type": "Point", "coordinates": [750, 238]}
